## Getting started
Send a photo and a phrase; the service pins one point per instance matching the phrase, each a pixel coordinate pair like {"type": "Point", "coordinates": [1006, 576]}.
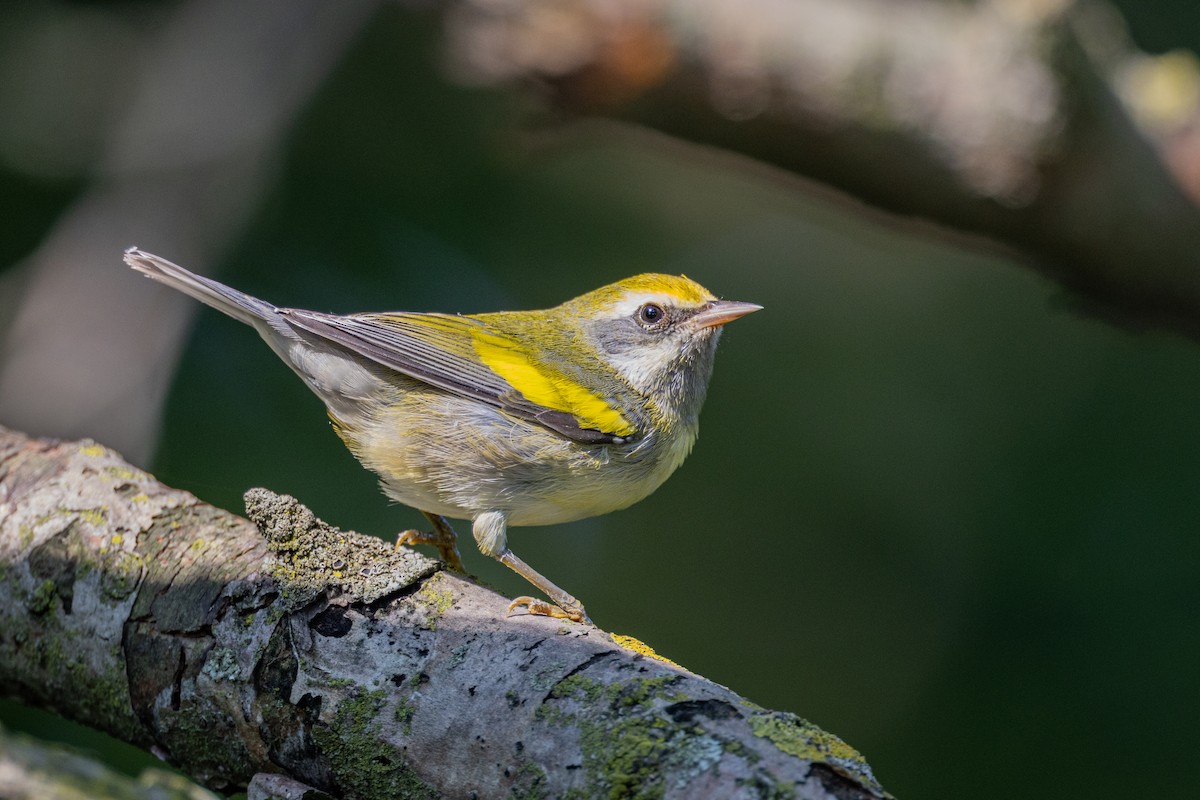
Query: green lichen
{"type": "Point", "coordinates": [544, 679]}
{"type": "Point", "coordinates": [644, 690]}
{"type": "Point", "coordinates": [42, 597]}
{"type": "Point", "coordinates": [632, 744]}
{"type": "Point", "coordinates": [458, 655]}
{"type": "Point", "coordinates": [626, 747]}
{"type": "Point", "coordinates": [734, 747]}
{"type": "Point", "coordinates": [119, 473]}
{"type": "Point", "coordinates": [529, 782]}
{"type": "Point", "coordinates": [694, 755]}
{"type": "Point", "coordinates": [404, 715]}
{"type": "Point", "coordinates": [120, 573]}
{"type": "Point", "coordinates": [799, 737]}
{"type": "Point", "coordinates": [637, 692]}
{"type": "Point", "coordinates": [435, 601]}
{"type": "Point", "coordinates": [311, 557]}
{"type": "Point", "coordinates": [222, 665]}
{"type": "Point", "coordinates": [96, 517]}
{"type": "Point", "coordinates": [622, 757]}
{"type": "Point", "coordinates": [579, 686]}
{"type": "Point", "coordinates": [362, 764]}
{"type": "Point", "coordinates": [552, 715]}
{"type": "Point", "coordinates": [101, 698]}
{"type": "Point", "coordinates": [203, 740]}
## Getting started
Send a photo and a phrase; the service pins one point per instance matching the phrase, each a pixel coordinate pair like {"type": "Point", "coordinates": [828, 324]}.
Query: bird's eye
{"type": "Point", "coordinates": [651, 314]}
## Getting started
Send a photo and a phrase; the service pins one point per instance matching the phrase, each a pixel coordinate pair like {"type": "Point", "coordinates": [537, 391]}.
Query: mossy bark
{"type": "Point", "coordinates": [343, 665]}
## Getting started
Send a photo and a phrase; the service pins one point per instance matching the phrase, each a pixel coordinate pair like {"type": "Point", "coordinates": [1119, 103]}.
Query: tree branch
{"type": "Point", "coordinates": [32, 769]}
{"type": "Point", "coordinates": [332, 659]}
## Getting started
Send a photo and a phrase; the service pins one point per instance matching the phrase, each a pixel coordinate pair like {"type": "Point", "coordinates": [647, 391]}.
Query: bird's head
{"type": "Point", "coordinates": [658, 332]}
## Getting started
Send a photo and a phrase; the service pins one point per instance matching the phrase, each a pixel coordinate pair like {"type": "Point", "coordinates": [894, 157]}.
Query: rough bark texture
{"type": "Point", "coordinates": [342, 665]}
{"type": "Point", "coordinates": [993, 118]}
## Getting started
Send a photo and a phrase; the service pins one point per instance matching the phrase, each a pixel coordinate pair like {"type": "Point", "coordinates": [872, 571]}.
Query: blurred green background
{"type": "Point", "coordinates": [933, 508]}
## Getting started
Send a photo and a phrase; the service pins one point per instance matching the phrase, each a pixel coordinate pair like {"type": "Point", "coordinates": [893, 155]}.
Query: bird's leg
{"type": "Point", "coordinates": [442, 537]}
{"type": "Point", "coordinates": [490, 529]}
{"type": "Point", "coordinates": [564, 606]}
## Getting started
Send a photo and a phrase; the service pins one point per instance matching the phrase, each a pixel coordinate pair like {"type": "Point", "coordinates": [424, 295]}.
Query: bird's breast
{"type": "Point", "coordinates": [447, 455]}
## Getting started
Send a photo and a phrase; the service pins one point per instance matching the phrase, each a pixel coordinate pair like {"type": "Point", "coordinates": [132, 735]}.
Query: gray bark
{"type": "Point", "coordinates": [340, 665]}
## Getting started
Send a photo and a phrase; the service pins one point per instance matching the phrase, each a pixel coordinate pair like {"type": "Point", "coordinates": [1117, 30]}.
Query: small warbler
{"type": "Point", "coordinates": [508, 418]}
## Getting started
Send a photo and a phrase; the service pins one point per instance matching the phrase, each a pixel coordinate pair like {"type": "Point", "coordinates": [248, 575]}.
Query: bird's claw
{"type": "Point", "coordinates": [542, 608]}
{"type": "Point", "coordinates": [447, 547]}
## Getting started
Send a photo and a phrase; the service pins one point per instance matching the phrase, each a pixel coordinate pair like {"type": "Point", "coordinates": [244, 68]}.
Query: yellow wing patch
{"type": "Point", "coordinates": [553, 391]}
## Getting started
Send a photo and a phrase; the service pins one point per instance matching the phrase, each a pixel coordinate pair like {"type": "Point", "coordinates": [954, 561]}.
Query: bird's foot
{"type": "Point", "coordinates": [542, 608]}
{"type": "Point", "coordinates": [442, 538]}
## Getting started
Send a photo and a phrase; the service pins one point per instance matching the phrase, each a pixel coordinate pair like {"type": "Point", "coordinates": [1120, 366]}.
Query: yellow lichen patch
{"type": "Point", "coordinates": [799, 737]}
{"type": "Point", "coordinates": [93, 516]}
{"type": "Point", "coordinates": [92, 450]}
{"type": "Point", "coordinates": [118, 473]}
{"type": "Point", "coordinates": [641, 648]}
{"type": "Point", "coordinates": [435, 600]}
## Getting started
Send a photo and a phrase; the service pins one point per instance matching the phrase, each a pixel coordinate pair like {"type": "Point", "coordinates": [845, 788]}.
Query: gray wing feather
{"type": "Point", "coordinates": [438, 350]}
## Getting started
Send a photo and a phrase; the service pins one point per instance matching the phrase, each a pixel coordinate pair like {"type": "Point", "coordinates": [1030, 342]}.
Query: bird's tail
{"type": "Point", "coordinates": [335, 374]}
{"type": "Point", "coordinates": [225, 299]}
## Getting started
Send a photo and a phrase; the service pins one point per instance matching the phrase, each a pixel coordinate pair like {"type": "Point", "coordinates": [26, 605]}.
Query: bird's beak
{"type": "Point", "coordinates": [718, 312]}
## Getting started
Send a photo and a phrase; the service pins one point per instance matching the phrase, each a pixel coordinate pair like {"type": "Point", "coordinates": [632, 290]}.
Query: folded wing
{"type": "Point", "coordinates": [467, 357]}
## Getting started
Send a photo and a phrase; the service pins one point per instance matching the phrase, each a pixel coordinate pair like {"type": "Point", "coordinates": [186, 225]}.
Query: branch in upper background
{"type": "Point", "coordinates": [1000, 118]}
{"type": "Point", "coordinates": [344, 664]}
{"type": "Point", "coordinates": [185, 164]}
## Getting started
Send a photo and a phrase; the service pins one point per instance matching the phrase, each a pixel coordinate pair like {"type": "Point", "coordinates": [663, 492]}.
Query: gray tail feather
{"type": "Point", "coordinates": [332, 371]}
{"type": "Point", "coordinates": [230, 301]}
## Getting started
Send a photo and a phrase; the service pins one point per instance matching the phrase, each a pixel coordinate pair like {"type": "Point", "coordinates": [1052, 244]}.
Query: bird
{"type": "Point", "coordinates": [508, 418]}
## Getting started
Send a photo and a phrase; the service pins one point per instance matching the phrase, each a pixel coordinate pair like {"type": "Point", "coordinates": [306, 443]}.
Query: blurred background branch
{"type": "Point", "coordinates": [1034, 123]}
{"type": "Point", "coordinates": [33, 770]}
{"type": "Point", "coordinates": [186, 120]}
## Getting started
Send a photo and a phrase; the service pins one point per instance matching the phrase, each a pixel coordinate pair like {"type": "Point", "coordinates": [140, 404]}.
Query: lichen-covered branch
{"type": "Point", "coordinates": [1034, 124]}
{"type": "Point", "coordinates": [293, 655]}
